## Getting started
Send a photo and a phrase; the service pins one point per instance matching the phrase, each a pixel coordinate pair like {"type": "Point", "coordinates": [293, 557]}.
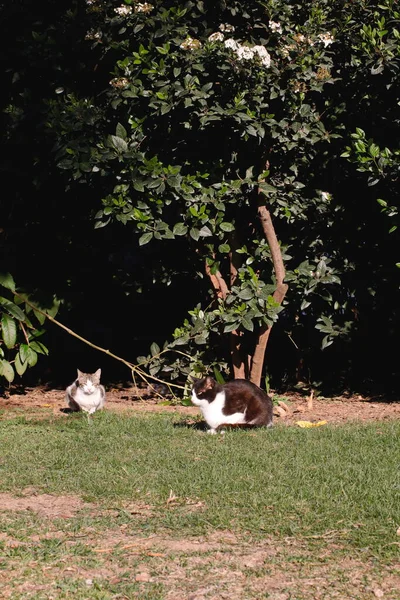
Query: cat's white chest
{"type": "Point", "coordinates": [88, 402]}
{"type": "Point", "coordinates": [212, 412]}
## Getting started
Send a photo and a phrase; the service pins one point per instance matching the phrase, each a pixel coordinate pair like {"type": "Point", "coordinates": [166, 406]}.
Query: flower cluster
{"type": "Point", "coordinates": [143, 7]}
{"type": "Point", "coordinates": [119, 82]}
{"type": "Point", "coordinates": [247, 52]}
{"type": "Point", "coordinates": [123, 10]}
{"type": "Point", "coordinates": [93, 35]}
{"type": "Point", "coordinates": [275, 27]}
{"type": "Point", "coordinates": [323, 73]}
{"type": "Point", "coordinates": [190, 44]}
{"type": "Point", "coordinates": [286, 50]}
{"type": "Point", "coordinates": [326, 38]}
{"type": "Point", "coordinates": [299, 87]}
{"type": "Point", "coordinates": [226, 27]}
{"type": "Point", "coordinates": [216, 37]}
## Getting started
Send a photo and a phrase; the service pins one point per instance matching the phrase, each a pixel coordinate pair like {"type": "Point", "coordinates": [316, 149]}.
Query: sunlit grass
{"type": "Point", "coordinates": [286, 481]}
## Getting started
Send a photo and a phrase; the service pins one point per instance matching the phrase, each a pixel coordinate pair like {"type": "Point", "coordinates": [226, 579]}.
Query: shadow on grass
{"type": "Point", "coordinates": [191, 424]}
{"type": "Point", "coordinates": [202, 425]}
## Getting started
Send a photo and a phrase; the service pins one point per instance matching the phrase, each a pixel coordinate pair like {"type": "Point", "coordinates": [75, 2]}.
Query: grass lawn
{"type": "Point", "coordinates": [282, 506]}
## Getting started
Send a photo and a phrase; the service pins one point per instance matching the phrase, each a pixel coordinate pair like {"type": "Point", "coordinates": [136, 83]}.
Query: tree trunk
{"type": "Point", "coordinates": [279, 294]}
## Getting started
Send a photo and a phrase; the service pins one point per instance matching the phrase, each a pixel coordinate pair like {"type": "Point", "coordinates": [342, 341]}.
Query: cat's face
{"type": "Point", "coordinates": [203, 391]}
{"type": "Point", "coordinates": [89, 382]}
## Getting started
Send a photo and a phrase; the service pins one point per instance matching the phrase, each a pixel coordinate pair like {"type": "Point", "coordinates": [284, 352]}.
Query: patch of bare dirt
{"type": "Point", "coordinates": [45, 505]}
{"type": "Point", "coordinates": [216, 566]}
{"type": "Point", "coordinates": [291, 408]}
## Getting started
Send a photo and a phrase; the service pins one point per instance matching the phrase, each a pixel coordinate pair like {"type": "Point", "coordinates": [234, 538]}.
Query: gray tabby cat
{"type": "Point", "coordinates": [86, 393]}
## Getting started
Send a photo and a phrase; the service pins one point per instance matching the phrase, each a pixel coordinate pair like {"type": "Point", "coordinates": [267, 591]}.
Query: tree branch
{"type": "Point", "coordinates": [222, 290]}
{"type": "Point", "coordinates": [135, 369]}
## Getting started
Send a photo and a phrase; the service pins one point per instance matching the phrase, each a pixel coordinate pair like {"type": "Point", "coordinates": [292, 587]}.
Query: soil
{"type": "Point", "coordinates": [289, 409]}
{"type": "Point", "coordinates": [211, 567]}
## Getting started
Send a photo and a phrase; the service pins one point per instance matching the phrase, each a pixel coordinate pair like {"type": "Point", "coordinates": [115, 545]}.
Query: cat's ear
{"type": "Point", "coordinates": [209, 383]}
{"type": "Point", "coordinates": [79, 373]}
{"type": "Point", "coordinates": [97, 373]}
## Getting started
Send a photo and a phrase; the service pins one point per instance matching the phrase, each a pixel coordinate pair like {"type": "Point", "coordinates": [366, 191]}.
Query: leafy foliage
{"type": "Point", "coordinates": [183, 119]}
{"type": "Point", "coordinates": [20, 344]}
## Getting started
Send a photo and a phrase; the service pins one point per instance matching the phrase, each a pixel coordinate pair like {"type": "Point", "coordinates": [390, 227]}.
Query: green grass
{"type": "Point", "coordinates": [286, 481]}
{"type": "Point", "coordinates": [305, 505]}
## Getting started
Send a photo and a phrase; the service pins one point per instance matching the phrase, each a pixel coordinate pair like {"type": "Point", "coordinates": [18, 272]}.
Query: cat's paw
{"type": "Point", "coordinates": [211, 432]}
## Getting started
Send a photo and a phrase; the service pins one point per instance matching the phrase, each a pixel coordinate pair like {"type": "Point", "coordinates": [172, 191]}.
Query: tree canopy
{"type": "Point", "coordinates": [214, 173]}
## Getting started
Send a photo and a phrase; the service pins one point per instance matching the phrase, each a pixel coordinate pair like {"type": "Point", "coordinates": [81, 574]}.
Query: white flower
{"type": "Point", "coordinates": [245, 53]}
{"type": "Point", "coordinates": [275, 27]}
{"type": "Point", "coordinates": [232, 44]}
{"type": "Point", "coordinates": [227, 28]}
{"type": "Point", "coordinates": [144, 7]}
{"type": "Point", "coordinates": [123, 10]}
{"type": "Point", "coordinates": [216, 37]}
{"type": "Point", "coordinates": [326, 38]}
{"type": "Point", "coordinates": [263, 54]}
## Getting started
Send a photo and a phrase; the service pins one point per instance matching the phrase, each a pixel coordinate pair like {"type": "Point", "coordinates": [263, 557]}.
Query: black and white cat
{"type": "Point", "coordinates": [238, 402]}
{"type": "Point", "coordinates": [86, 393]}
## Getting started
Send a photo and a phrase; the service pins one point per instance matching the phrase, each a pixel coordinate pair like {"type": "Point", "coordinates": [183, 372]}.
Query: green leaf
{"type": "Point", "coordinates": [145, 238]}
{"type": "Point", "coordinates": [138, 185]}
{"type": "Point", "coordinates": [218, 376]}
{"type": "Point", "coordinates": [227, 226]}
{"type": "Point", "coordinates": [9, 331]}
{"type": "Point", "coordinates": [118, 143]}
{"type": "Point", "coordinates": [20, 366]}
{"type": "Point", "coordinates": [247, 324]}
{"type": "Point", "coordinates": [266, 188]}
{"type": "Point", "coordinates": [205, 231]}
{"type": "Point", "coordinates": [12, 308]}
{"type": "Point", "coordinates": [154, 349]}
{"type": "Point", "coordinates": [6, 370]}
{"type": "Point", "coordinates": [224, 248]}
{"type": "Point", "coordinates": [305, 304]}
{"type": "Point", "coordinates": [194, 233]}
{"type": "Point", "coordinates": [40, 317]}
{"type": "Point", "coordinates": [100, 224]}
{"type": "Point", "coordinates": [7, 281]}
{"type": "Point", "coordinates": [230, 327]}
{"type": "Point", "coordinates": [180, 229]}
{"type": "Point", "coordinates": [374, 150]}
{"type": "Point", "coordinates": [251, 130]}
{"type": "Point", "coordinates": [53, 310]}
{"type": "Point", "coordinates": [24, 352]}
{"type": "Point", "coordinates": [246, 294]}
{"type": "Point", "coordinates": [326, 342]}
{"type": "Point", "coordinates": [121, 131]}
{"type": "Point", "coordinates": [32, 357]}
{"type": "Point", "coordinates": [39, 347]}
{"type": "Point", "coordinates": [201, 338]}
